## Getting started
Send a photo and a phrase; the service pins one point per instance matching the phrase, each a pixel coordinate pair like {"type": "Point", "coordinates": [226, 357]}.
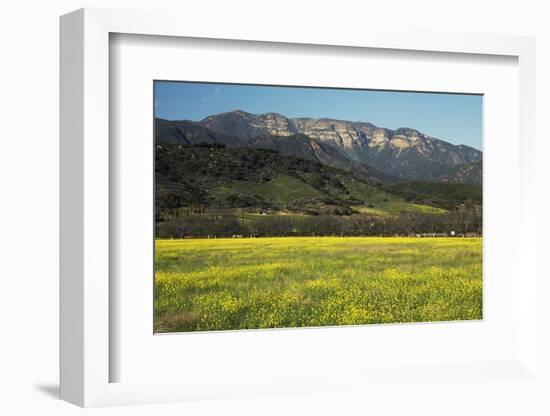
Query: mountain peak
{"type": "Point", "coordinates": [236, 112]}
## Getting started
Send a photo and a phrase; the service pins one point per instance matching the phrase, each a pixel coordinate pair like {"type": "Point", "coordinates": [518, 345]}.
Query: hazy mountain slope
{"type": "Point", "coordinates": [189, 133]}
{"type": "Point", "coordinates": [302, 146]}
{"type": "Point", "coordinates": [470, 173]}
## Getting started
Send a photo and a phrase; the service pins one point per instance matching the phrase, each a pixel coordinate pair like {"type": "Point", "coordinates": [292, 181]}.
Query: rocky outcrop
{"type": "Point", "coordinates": [249, 126]}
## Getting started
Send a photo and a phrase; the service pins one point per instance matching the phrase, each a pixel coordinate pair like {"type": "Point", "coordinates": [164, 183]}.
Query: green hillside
{"type": "Point", "coordinates": [208, 177]}
{"type": "Point", "coordinates": [282, 190]}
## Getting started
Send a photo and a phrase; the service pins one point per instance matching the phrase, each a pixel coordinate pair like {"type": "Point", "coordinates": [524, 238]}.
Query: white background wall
{"type": "Point", "coordinates": [29, 180]}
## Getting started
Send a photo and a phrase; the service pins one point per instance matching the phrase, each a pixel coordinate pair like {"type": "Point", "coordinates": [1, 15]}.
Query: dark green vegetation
{"type": "Point", "coordinates": [208, 190]}
{"type": "Point", "coordinates": [226, 284]}
{"type": "Point", "coordinates": [216, 177]}
{"type": "Point", "coordinates": [438, 194]}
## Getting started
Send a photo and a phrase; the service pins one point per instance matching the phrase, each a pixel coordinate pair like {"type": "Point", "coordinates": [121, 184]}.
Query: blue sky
{"type": "Point", "coordinates": [456, 118]}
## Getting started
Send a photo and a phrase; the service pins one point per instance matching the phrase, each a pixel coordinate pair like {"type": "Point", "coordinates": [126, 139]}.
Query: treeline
{"type": "Point", "coordinates": [442, 195]}
{"type": "Point", "coordinates": [463, 221]}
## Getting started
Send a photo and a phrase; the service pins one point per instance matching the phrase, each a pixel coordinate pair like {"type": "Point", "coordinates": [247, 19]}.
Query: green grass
{"type": "Point", "coordinates": [281, 190]}
{"type": "Point", "coordinates": [395, 207]}
{"type": "Point", "coordinates": [222, 284]}
{"type": "Point", "coordinates": [366, 192]}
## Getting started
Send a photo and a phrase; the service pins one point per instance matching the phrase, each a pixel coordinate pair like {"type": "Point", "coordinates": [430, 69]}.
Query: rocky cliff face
{"type": "Point", "coordinates": [349, 136]}
{"type": "Point", "coordinates": [249, 126]}
{"type": "Point", "coordinates": [404, 152]}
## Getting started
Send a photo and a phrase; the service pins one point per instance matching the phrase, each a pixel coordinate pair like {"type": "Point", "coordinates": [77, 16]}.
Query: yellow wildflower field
{"type": "Point", "coordinates": [227, 284]}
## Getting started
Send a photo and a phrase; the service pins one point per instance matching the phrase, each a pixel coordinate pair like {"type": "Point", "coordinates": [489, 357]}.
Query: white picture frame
{"type": "Point", "coordinates": [86, 356]}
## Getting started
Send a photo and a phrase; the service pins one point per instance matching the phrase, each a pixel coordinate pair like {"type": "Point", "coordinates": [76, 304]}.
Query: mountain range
{"type": "Point", "coordinates": [382, 154]}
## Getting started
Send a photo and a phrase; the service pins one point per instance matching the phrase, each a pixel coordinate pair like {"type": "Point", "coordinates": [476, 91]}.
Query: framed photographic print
{"type": "Point", "coordinates": [280, 214]}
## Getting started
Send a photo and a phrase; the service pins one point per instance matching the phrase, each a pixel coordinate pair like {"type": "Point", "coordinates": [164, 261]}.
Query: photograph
{"type": "Point", "coordinates": [295, 207]}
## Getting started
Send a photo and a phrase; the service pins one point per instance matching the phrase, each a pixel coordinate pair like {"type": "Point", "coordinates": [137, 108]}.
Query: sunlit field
{"type": "Point", "coordinates": [226, 284]}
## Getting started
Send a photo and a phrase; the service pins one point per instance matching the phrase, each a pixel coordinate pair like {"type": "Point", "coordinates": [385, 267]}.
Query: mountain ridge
{"type": "Point", "coordinates": [398, 130]}
{"type": "Point", "coordinates": [404, 153]}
